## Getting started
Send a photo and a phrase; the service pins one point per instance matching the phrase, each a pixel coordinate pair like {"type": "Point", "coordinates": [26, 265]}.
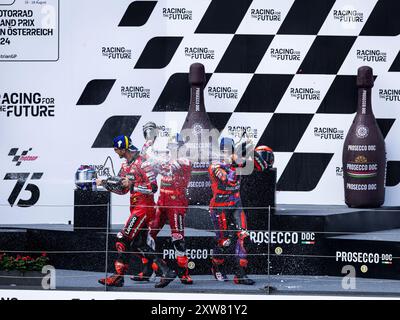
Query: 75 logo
{"type": "Point", "coordinates": [21, 179]}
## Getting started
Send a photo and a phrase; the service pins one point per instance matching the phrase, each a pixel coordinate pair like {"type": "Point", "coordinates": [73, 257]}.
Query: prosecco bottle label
{"type": "Point", "coordinates": [360, 168]}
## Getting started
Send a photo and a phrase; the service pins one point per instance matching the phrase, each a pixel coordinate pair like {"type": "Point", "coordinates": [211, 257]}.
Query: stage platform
{"type": "Point", "coordinates": [265, 285]}
{"type": "Point", "coordinates": [288, 242]}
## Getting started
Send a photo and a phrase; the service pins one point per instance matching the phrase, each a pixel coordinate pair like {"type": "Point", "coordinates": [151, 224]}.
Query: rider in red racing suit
{"type": "Point", "coordinates": [227, 214]}
{"type": "Point", "coordinates": [136, 176]}
{"type": "Point", "coordinates": [171, 205]}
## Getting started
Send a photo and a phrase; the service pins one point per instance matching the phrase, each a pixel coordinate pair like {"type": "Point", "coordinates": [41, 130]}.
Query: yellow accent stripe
{"type": "Point", "coordinates": [126, 142]}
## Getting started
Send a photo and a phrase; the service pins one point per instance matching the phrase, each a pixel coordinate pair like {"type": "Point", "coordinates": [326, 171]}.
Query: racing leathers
{"type": "Point", "coordinates": [172, 205]}
{"type": "Point", "coordinates": [134, 235]}
{"type": "Point", "coordinates": [229, 221]}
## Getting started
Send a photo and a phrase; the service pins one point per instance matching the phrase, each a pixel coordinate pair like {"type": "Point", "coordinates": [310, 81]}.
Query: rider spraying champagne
{"type": "Point", "coordinates": [226, 210]}
{"type": "Point", "coordinates": [175, 172]}
{"type": "Point", "coordinates": [172, 203]}
{"type": "Point", "coordinates": [137, 177]}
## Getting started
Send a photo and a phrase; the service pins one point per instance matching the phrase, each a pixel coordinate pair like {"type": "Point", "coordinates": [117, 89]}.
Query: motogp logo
{"type": "Point", "coordinates": [362, 132]}
{"type": "Point", "coordinates": [22, 157]}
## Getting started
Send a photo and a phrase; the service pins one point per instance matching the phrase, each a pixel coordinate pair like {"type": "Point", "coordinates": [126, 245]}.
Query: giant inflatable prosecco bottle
{"type": "Point", "coordinates": [197, 126]}
{"type": "Point", "coordinates": [364, 156]}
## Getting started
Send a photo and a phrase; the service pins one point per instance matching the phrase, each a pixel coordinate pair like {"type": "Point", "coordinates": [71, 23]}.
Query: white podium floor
{"type": "Point", "coordinates": [281, 285]}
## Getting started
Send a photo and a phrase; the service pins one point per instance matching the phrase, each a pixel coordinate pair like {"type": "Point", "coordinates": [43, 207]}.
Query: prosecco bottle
{"type": "Point", "coordinates": [364, 155]}
{"type": "Point", "coordinates": [197, 131]}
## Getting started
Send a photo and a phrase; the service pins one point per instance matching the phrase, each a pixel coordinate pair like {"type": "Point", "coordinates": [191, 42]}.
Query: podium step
{"type": "Point", "coordinates": [372, 254]}
{"type": "Point", "coordinates": [12, 239]}
{"type": "Point", "coordinates": [303, 240]}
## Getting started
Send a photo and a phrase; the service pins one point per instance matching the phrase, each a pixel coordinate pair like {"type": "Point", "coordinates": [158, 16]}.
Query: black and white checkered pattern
{"type": "Point", "coordinates": [322, 55]}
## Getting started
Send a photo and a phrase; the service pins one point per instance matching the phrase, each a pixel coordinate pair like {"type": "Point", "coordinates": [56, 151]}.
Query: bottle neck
{"type": "Point", "coordinates": [364, 106]}
{"type": "Point", "coordinates": [197, 99]}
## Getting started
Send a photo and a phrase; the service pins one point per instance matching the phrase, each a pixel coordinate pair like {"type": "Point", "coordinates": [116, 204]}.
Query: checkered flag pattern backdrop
{"type": "Point", "coordinates": [283, 70]}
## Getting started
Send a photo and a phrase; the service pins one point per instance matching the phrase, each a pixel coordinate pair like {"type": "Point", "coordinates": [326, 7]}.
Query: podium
{"type": "Point", "coordinates": [258, 189]}
{"type": "Point", "coordinates": [92, 210]}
